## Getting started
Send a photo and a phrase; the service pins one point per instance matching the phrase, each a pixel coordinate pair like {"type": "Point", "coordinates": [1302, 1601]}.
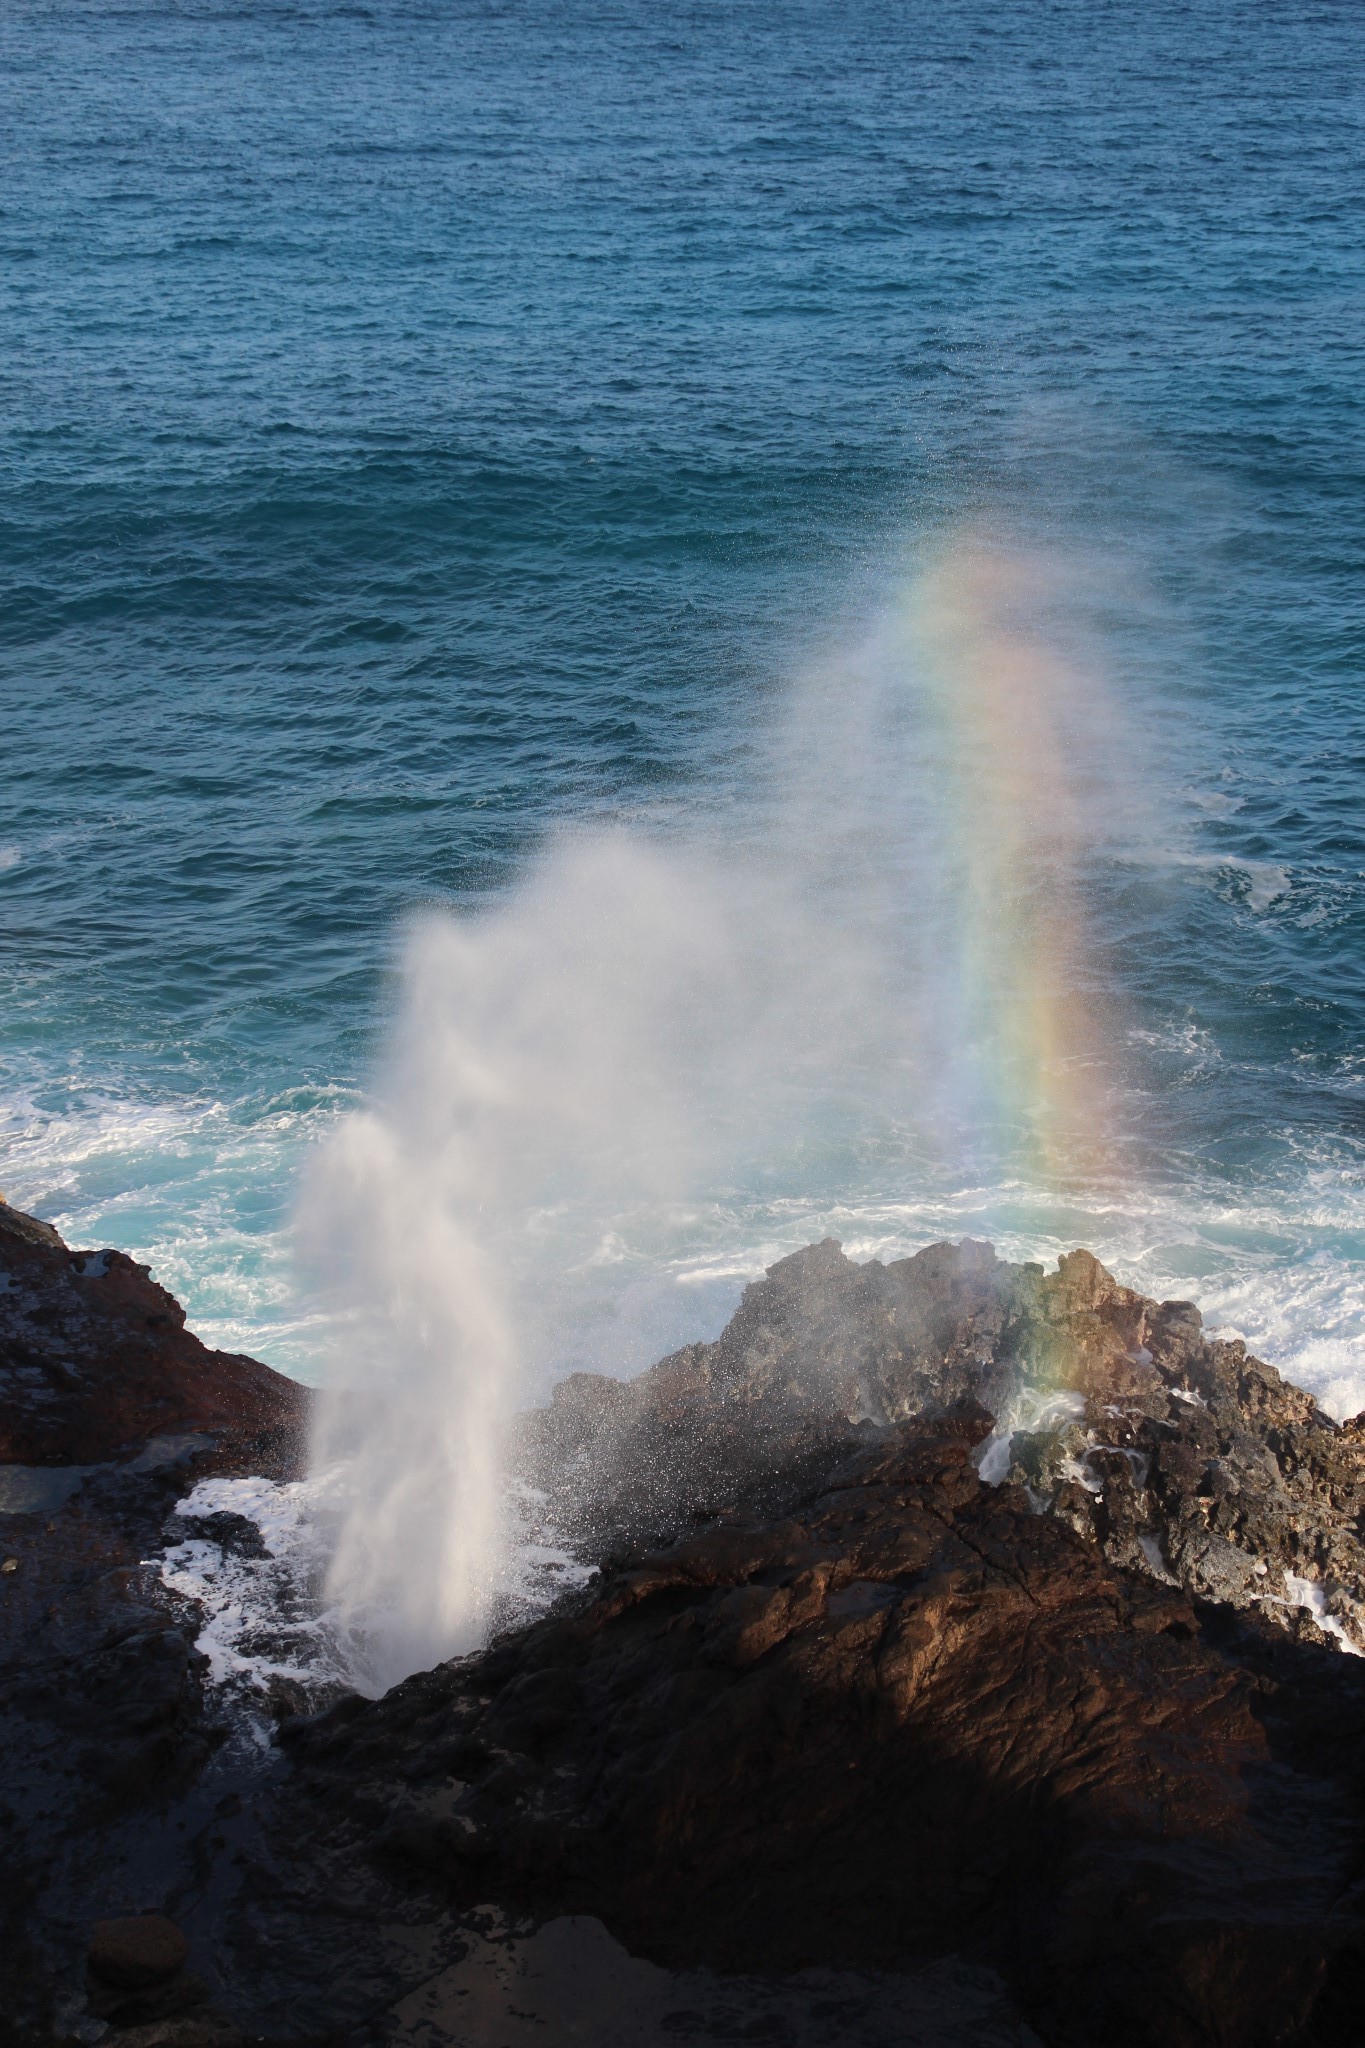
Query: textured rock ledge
{"type": "Point", "coordinates": [110, 1410]}
{"type": "Point", "coordinates": [910, 1718]}
{"type": "Point", "coordinates": [1181, 1457]}
{"type": "Point", "coordinates": [848, 1744]}
{"type": "Point", "coordinates": [96, 1363]}
{"type": "Point", "coordinates": [948, 1608]}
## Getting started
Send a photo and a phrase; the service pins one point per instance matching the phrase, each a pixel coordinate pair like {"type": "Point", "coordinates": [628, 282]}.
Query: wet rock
{"type": "Point", "coordinates": [109, 1411]}
{"type": "Point", "coordinates": [1178, 1454]}
{"type": "Point", "coordinates": [200, 2030]}
{"type": "Point", "coordinates": [966, 1646]}
{"type": "Point", "coordinates": [137, 1974]}
{"type": "Point", "coordinates": [910, 1717]}
{"type": "Point", "coordinates": [95, 1362]}
{"type": "Point", "coordinates": [233, 1534]}
{"type": "Point", "coordinates": [136, 1951]}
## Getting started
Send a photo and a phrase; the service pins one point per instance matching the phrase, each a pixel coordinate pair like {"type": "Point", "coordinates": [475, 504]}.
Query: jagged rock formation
{"type": "Point", "coordinates": [109, 1411]}
{"type": "Point", "coordinates": [1183, 1457]}
{"type": "Point", "coordinates": [96, 1362]}
{"type": "Point", "coordinates": [948, 1677]}
{"type": "Point", "coordinates": [912, 1717]}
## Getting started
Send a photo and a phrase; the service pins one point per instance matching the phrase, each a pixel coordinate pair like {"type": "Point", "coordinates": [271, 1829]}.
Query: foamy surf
{"type": "Point", "coordinates": [252, 1564]}
{"type": "Point", "coordinates": [199, 1188]}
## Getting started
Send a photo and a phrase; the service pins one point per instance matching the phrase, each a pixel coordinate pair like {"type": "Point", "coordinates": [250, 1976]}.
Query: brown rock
{"type": "Point", "coordinates": [95, 1360]}
{"type": "Point", "coordinates": [137, 1952]}
{"type": "Point", "coordinates": [834, 1705]}
{"type": "Point", "coordinates": [1181, 1456]}
{"type": "Point", "coordinates": [912, 1717]}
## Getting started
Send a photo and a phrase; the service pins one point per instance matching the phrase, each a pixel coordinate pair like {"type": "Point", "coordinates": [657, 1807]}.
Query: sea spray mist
{"type": "Point", "coordinates": [881, 947]}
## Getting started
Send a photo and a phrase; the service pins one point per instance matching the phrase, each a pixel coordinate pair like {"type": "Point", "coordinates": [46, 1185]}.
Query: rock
{"type": "Point", "coordinates": [1182, 1456]}
{"type": "Point", "coordinates": [96, 1362]}
{"type": "Point", "coordinates": [964, 1661]}
{"type": "Point", "coordinates": [234, 1535]}
{"type": "Point", "coordinates": [137, 1951]}
{"type": "Point", "coordinates": [109, 1411]}
{"type": "Point", "coordinates": [911, 1717]}
{"type": "Point", "coordinates": [201, 2030]}
{"type": "Point", "coordinates": [137, 1974]}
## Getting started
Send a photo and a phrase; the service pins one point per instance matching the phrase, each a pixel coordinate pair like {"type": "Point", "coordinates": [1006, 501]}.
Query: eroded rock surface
{"type": "Point", "coordinates": [145, 1834]}
{"type": "Point", "coordinates": [110, 1410]}
{"type": "Point", "coordinates": [1184, 1457]}
{"type": "Point", "coordinates": [912, 1717]}
{"type": "Point", "coordinates": [96, 1363]}
{"type": "Point", "coordinates": [965, 1667]}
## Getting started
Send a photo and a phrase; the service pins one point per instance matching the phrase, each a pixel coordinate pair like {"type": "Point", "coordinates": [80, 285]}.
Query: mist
{"type": "Point", "coordinates": [880, 943]}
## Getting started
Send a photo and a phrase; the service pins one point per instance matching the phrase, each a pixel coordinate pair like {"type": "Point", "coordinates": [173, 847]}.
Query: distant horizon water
{"type": "Point", "coordinates": [443, 441]}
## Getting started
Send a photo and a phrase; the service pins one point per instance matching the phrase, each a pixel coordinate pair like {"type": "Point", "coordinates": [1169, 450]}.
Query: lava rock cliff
{"type": "Point", "coordinates": [968, 1661]}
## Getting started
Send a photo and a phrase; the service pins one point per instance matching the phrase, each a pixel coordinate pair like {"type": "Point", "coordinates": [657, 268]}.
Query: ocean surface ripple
{"type": "Point", "coordinates": [431, 425]}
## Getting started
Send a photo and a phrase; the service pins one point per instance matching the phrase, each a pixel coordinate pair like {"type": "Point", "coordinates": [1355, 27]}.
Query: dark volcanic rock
{"type": "Point", "coordinates": [914, 1717]}
{"type": "Point", "coordinates": [96, 1362]}
{"type": "Point", "coordinates": [138, 1950]}
{"type": "Point", "coordinates": [123, 1791]}
{"type": "Point", "coordinates": [1183, 1457]}
{"type": "Point", "coordinates": [109, 1411]}
{"type": "Point", "coordinates": [950, 1677]}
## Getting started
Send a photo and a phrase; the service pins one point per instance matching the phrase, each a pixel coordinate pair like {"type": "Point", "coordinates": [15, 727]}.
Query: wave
{"type": "Point", "coordinates": [198, 1188]}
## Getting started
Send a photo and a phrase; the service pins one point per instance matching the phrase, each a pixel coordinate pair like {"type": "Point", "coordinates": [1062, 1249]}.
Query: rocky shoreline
{"type": "Point", "coordinates": [970, 1660]}
{"type": "Point", "coordinates": [1178, 1456]}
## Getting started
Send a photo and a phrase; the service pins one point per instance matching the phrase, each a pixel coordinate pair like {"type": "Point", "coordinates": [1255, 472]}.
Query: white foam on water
{"type": "Point", "coordinates": [1216, 803]}
{"type": "Point", "coordinates": [262, 1618]}
{"type": "Point", "coordinates": [1033, 1408]}
{"type": "Point", "coordinates": [1266, 881]}
{"type": "Point", "coordinates": [197, 1188]}
{"type": "Point", "coordinates": [1311, 1595]}
{"type": "Point", "coordinates": [266, 1619]}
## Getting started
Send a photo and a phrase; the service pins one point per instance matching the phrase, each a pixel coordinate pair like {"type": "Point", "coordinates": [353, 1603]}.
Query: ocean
{"type": "Point", "coordinates": [461, 459]}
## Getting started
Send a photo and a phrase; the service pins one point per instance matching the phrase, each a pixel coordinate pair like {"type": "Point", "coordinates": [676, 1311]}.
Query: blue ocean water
{"type": "Point", "coordinates": [427, 425]}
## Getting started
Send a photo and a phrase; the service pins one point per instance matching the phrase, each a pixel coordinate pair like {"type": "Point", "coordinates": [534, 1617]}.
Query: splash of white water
{"type": "Point", "coordinates": [882, 945]}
